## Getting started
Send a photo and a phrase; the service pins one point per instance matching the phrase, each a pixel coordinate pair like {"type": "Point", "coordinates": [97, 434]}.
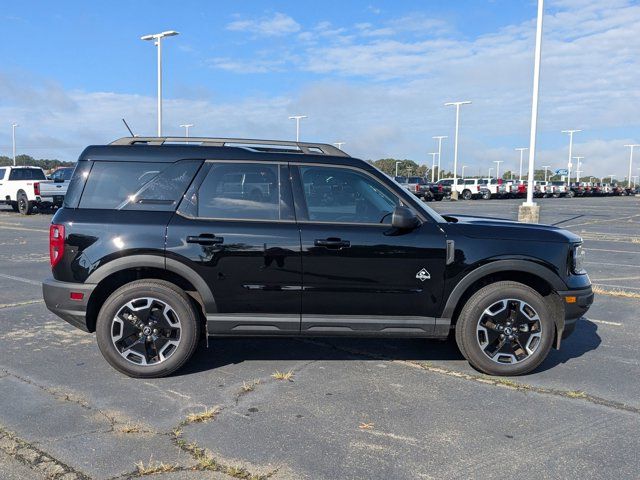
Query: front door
{"type": "Point", "coordinates": [237, 231]}
{"type": "Point", "coordinates": [359, 273]}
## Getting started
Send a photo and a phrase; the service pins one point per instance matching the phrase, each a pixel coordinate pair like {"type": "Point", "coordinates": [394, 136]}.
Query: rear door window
{"type": "Point", "coordinates": [27, 174]}
{"type": "Point", "coordinates": [137, 185]}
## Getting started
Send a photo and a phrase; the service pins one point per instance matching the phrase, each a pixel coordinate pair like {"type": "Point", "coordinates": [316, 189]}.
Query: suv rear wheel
{"type": "Point", "coordinates": [147, 329]}
{"type": "Point", "coordinates": [505, 328]}
{"type": "Point", "coordinates": [25, 207]}
{"type": "Point", "coordinates": [466, 195]}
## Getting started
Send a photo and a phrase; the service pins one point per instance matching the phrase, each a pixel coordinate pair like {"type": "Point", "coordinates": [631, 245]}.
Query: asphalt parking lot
{"type": "Point", "coordinates": [370, 409]}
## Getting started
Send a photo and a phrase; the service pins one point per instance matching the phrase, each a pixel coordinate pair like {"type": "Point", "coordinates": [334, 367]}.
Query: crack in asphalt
{"type": "Point", "coordinates": [497, 382]}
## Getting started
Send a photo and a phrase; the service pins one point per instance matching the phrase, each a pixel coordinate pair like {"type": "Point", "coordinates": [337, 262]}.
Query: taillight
{"type": "Point", "coordinates": [56, 244]}
{"type": "Point", "coordinates": [478, 187]}
{"type": "Point", "coordinates": [440, 188]}
{"type": "Point", "coordinates": [417, 187]}
{"type": "Point", "coordinates": [36, 188]}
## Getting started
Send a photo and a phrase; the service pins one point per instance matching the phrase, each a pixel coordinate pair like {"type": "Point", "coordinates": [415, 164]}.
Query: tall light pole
{"type": "Point", "coordinates": [631, 147]}
{"type": "Point", "coordinates": [611, 177]}
{"type": "Point", "coordinates": [578, 159]}
{"type": "Point", "coordinates": [339, 144]}
{"type": "Point", "coordinates": [439, 138]}
{"type": "Point", "coordinates": [498, 162]}
{"type": "Point", "coordinates": [397, 163]}
{"type": "Point", "coordinates": [521, 150]}
{"type": "Point", "coordinates": [634, 178]}
{"type": "Point", "coordinates": [13, 141]}
{"type": "Point", "coordinates": [546, 167]}
{"type": "Point", "coordinates": [529, 211]}
{"type": "Point", "coordinates": [186, 127]}
{"type": "Point", "coordinates": [157, 38]}
{"type": "Point", "coordinates": [569, 164]}
{"type": "Point", "coordinates": [433, 165]}
{"type": "Point", "coordinates": [463, 167]}
{"type": "Point", "coordinates": [454, 189]}
{"type": "Point", "coordinates": [297, 118]}
{"type": "Point", "coordinates": [490, 170]}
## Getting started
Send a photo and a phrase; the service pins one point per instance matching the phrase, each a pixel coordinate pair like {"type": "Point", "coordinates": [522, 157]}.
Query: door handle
{"type": "Point", "coordinates": [205, 239]}
{"type": "Point", "coordinates": [332, 243]}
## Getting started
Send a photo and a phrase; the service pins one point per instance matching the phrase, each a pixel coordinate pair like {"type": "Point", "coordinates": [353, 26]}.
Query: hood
{"type": "Point", "coordinates": [499, 228]}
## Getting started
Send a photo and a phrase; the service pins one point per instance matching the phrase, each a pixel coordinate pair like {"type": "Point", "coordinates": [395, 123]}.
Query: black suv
{"type": "Point", "coordinates": [160, 244]}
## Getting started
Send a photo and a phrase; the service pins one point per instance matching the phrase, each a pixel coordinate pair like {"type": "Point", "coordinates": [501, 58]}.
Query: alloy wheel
{"type": "Point", "coordinates": [146, 331]}
{"type": "Point", "coordinates": [509, 331]}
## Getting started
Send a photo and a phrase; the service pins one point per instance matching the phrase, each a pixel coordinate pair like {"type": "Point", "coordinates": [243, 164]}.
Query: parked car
{"type": "Point", "coordinates": [155, 249]}
{"type": "Point", "coordinates": [26, 188]}
{"type": "Point", "coordinates": [561, 189]}
{"type": "Point", "coordinates": [416, 185]}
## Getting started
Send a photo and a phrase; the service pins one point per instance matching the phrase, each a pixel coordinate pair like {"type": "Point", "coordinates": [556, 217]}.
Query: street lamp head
{"type": "Point", "coordinates": [14, 125]}
{"type": "Point", "coordinates": [155, 36]}
{"type": "Point", "coordinates": [466, 102]}
{"type": "Point", "coordinates": [570, 131]}
{"type": "Point", "coordinates": [297, 117]}
{"type": "Point", "coordinates": [187, 125]}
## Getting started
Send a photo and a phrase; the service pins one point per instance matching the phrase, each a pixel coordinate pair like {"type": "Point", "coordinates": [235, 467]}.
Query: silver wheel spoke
{"type": "Point", "coordinates": [146, 331]}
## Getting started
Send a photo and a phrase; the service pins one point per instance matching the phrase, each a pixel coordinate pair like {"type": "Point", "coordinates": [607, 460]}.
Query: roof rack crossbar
{"type": "Point", "coordinates": [261, 145]}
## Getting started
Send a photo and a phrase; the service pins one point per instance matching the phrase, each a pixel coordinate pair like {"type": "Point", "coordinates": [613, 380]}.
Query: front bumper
{"type": "Point", "coordinates": [576, 304]}
{"type": "Point", "coordinates": [57, 298]}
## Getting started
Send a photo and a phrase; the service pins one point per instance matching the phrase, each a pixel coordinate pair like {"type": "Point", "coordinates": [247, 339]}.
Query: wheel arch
{"type": "Point", "coordinates": [123, 270]}
{"type": "Point", "coordinates": [527, 272]}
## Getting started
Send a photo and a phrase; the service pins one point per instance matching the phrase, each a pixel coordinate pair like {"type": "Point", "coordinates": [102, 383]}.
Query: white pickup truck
{"type": "Point", "coordinates": [26, 188]}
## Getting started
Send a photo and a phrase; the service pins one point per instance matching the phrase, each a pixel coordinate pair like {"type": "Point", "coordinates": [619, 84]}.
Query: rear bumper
{"type": "Point", "coordinates": [57, 298]}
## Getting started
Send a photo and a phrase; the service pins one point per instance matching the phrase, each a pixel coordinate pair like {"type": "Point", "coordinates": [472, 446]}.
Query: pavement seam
{"type": "Point", "coordinates": [493, 381]}
{"type": "Point", "coordinates": [20, 304]}
{"type": "Point", "coordinates": [33, 457]}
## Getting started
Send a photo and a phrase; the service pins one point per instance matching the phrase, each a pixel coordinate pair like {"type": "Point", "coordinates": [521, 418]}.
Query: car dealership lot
{"type": "Point", "coordinates": [353, 408]}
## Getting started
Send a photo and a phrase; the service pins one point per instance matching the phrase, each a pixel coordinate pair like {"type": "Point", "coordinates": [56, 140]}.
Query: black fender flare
{"type": "Point", "coordinates": [162, 263]}
{"type": "Point", "coordinates": [505, 265]}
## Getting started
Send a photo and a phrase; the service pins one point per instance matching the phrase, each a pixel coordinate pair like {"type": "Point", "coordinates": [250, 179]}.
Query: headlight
{"type": "Point", "coordinates": [578, 259]}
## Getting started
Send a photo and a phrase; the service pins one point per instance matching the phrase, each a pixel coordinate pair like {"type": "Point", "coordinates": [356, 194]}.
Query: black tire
{"type": "Point", "coordinates": [163, 292]}
{"type": "Point", "coordinates": [14, 206]}
{"type": "Point", "coordinates": [25, 207]}
{"type": "Point", "coordinates": [468, 334]}
{"type": "Point", "coordinates": [466, 195]}
{"type": "Point", "coordinates": [570, 194]}
{"type": "Point", "coordinates": [486, 196]}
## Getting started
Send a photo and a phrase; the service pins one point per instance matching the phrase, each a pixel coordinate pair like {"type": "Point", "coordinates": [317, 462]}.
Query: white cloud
{"type": "Point", "coordinates": [277, 25]}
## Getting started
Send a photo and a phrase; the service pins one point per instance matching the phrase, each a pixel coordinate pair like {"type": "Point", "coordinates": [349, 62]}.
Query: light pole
{"type": "Point", "coordinates": [339, 144]}
{"type": "Point", "coordinates": [569, 164]}
{"type": "Point", "coordinates": [157, 38]}
{"type": "Point", "coordinates": [397, 163]}
{"type": "Point", "coordinates": [578, 171]}
{"type": "Point", "coordinates": [631, 146]}
{"type": "Point", "coordinates": [611, 177]}
{"type": "Point", "coordinates": [546, 167]}
{"type": "Point", "coordinates": [463, 167]}
{"type": "Point", "coordinates": [498, 162]}
{"type": "Point", "coordinates": [490, 170]}
{"type": "Point", "coordinates": [529, 211]}
{"type": "Point", "coordinates": [521, 150]}
{"type": "Point", "coordinates": [433, 165]}
{"type": "Point", "coordinates": [186, 127]}
{"type": "Point", "coordinates": [439, 138]}
{"type": "Point", "coordinates": [454, 189]}
{"type": "Point", "coordinates": [297, 118]}
{"type": "Point", "coordinates": [634, 177]}
{"type": "Point", "coordinates": [13, 141]}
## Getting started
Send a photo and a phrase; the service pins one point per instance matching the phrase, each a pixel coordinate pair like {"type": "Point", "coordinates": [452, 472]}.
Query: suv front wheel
{"type": "Point", "coordinates": [505, 328]}
{"type": "Point", "coordinates": [147, 329]}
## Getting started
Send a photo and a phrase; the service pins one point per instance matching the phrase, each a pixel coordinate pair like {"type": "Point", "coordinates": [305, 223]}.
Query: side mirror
{"type": "Point", "coordinates": [404, 219]}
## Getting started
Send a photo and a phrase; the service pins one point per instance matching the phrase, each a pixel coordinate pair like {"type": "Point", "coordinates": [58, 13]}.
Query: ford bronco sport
{"type": "Point", "coordinates": [159, 244]}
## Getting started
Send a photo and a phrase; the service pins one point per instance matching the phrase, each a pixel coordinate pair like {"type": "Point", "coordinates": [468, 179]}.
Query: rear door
{"type": "Point", "coordinates": [236, 228]}
{"type": "Point", "coordinates": [359, 273]}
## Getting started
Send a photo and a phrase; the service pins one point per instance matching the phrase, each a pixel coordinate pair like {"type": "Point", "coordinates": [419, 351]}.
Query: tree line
{"type": "Point", "coordinates": [44, 163]}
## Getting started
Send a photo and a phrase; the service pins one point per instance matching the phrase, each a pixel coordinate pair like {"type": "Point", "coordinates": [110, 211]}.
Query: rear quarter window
{"type": "Point", "coordinates": [3, 171]}
{"type": "Point", "coordinates": [27, 174]}
{"type": "Point", "coordinates": [137, 185]}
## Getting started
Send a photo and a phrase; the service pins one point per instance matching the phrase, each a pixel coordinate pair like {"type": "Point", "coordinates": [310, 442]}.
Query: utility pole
{"type": "Point", "coordinates": [631, 146]}
{"type": "Point", "coordinates": [186, 127]}
{"type": "Point", "coordinates": [463, 167]}
{"type": "Point", "coordinates": [157, 38]}
{"type": "Point", "coordinates": [397, 163]}
{"type": "Point", "coordinates": [546, 167]}
{"type": "Point", "coordinates": [578, 171]}
{"type": "Point", "coordinates": [521, 150]}
{"type": "Point", "coordinates": [433, 165]}
{"type": "Point", "coordinates": [529, 211]}
{"type": "Point", "coordinates": [569, 164]}
{"type": "Point", "coordinates": [297, 118]}
{"type": "Point", "coordinates": [498, 162]}
{"type": "Point", "coordinates": [454, 190]}
{"type": "Point", "coordinates": [13, 138]}
{"type": "Point", "coordinates": [439, 138]}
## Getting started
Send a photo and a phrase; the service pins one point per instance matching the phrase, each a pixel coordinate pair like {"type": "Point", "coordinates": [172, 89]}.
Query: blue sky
{"type": "Point", "coordinates": [372, 74]}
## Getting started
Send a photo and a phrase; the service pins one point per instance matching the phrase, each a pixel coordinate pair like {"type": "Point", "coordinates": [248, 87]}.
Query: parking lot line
{"type": "Point", "coordinates": [11, 227]}
{"type": "Point", "coordinates": [20, 304]}
{"type": "Point", "coordinates": [611, 251]}
{"type": "Point", "coordinates": [20, 279]}
{"type": "Point", "coordinates": [605, 322]}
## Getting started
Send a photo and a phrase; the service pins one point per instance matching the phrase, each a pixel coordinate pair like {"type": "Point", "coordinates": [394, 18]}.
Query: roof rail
{"type": "Point", "coordinates": [253, 144]}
